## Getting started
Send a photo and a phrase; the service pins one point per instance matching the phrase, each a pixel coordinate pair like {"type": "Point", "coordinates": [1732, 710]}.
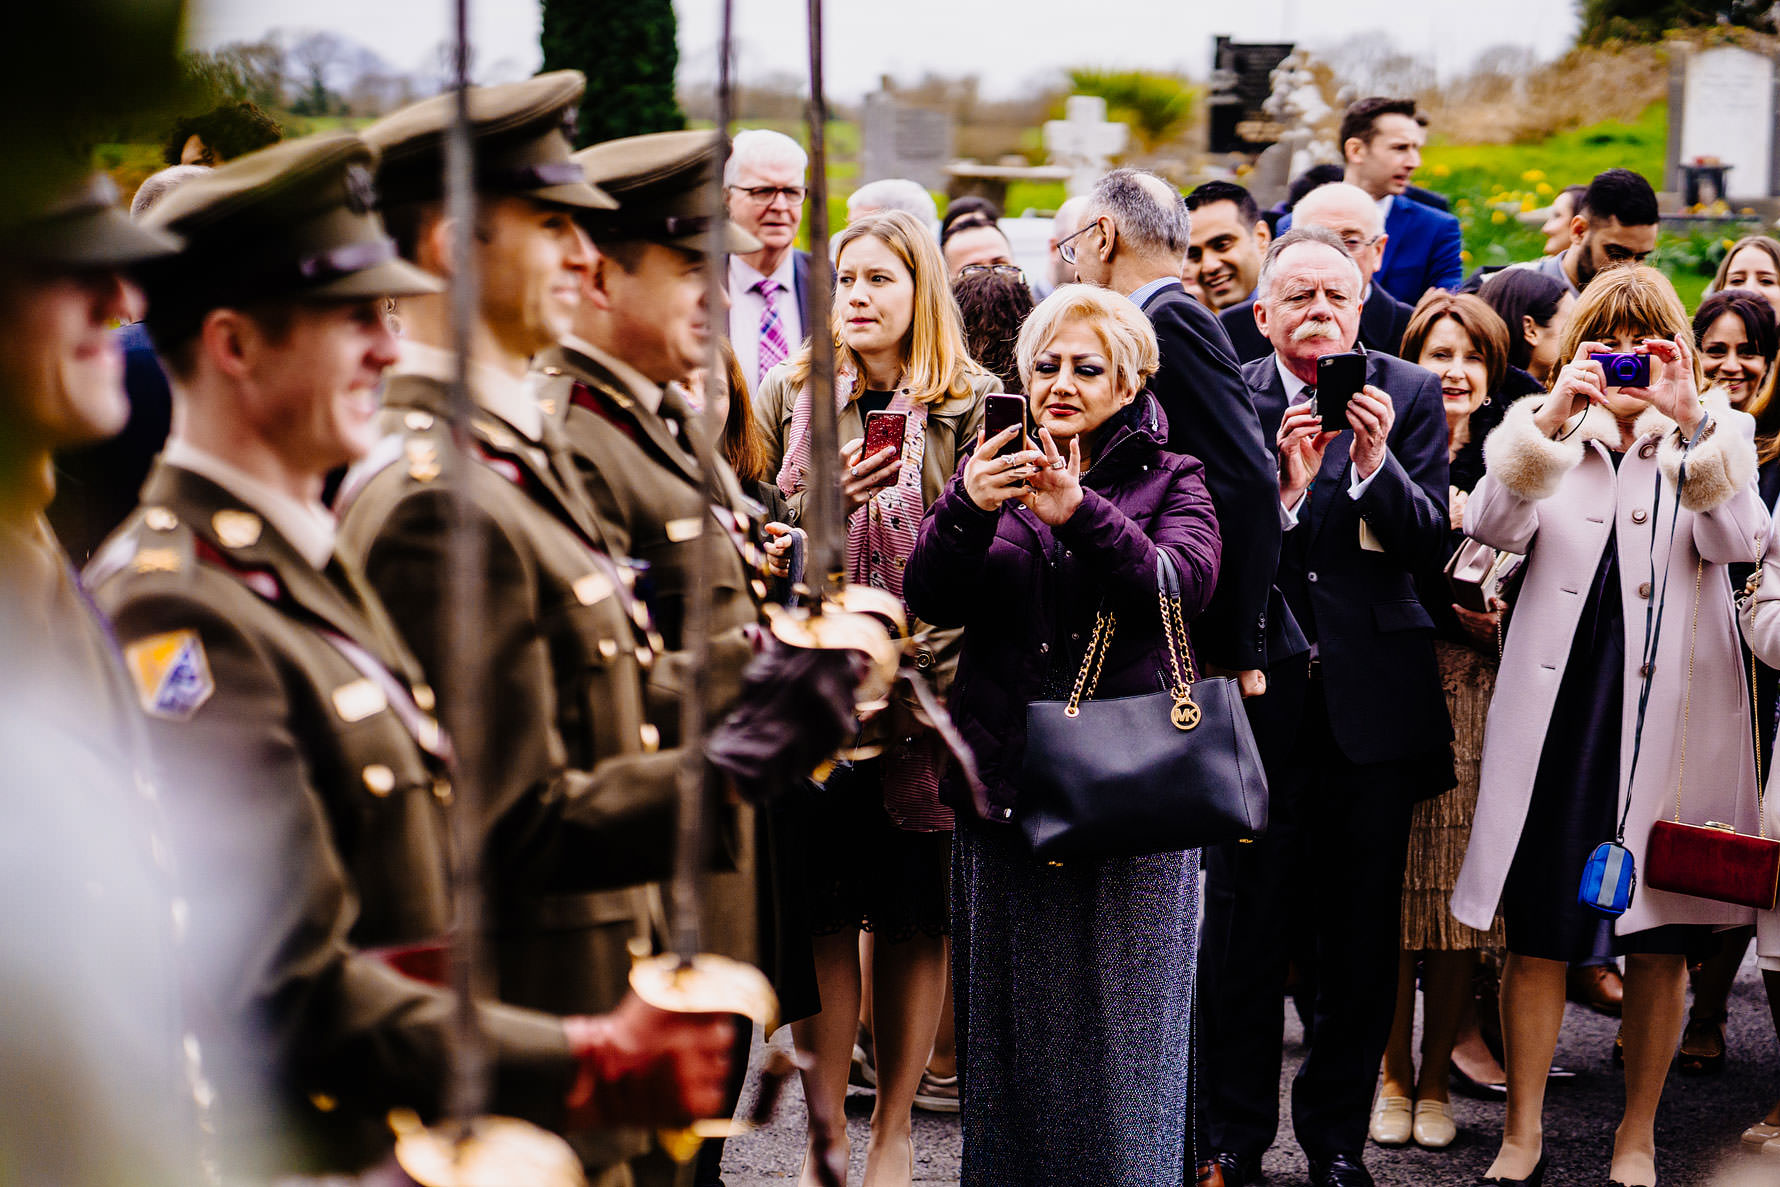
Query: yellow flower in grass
{"type": "Point", "coordinates": [1465, 257]}
{"type": "Point", "coordinates": [1528, 202]}
{"type": "Point", "coordinates": [1498, 217]}
{"type": "Point", "coordinates": [1533, 175]}
{"type": "Point", "coordinates": [1543, 189]}
{"type": "Point", "coordinates": [1441, 170]}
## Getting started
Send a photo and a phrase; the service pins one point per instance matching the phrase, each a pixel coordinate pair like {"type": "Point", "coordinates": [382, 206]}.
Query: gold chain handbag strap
{"type": "Point", "coordinates": [1185, 714]}
{"type": "Point", "coordinates": [1089, 676]}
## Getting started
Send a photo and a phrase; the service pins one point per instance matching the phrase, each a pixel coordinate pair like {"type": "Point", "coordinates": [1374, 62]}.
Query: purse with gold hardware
{"type": "Point", "coordinates": [1713, 860]}
{"type": "Point", "coordinates": [1477, 573]}
{"type": "Point", "coordinates": [1135, 775]}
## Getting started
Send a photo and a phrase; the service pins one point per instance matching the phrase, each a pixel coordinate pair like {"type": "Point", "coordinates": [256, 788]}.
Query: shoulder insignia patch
{"type": "Point", "coordinates": [236, 529]}
{"type": "Point", "coordinates": [172, 674]}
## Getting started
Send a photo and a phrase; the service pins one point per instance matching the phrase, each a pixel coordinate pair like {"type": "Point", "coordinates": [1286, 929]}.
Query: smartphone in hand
{"type": "Point", "coordinates": [884, 429]}
{"type": "Point", "coordinates": [1339, 378]}
{"type": "Point", "coordinates": [999, 412]}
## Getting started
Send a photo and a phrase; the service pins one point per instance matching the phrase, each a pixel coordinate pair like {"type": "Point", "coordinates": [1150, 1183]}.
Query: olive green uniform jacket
{"type": "Point", "coordinates": [308, 792]}
{"type": "Point", "coordinates": [578, 796]}
{"type": "Point", "coordinates": [103, 1086]}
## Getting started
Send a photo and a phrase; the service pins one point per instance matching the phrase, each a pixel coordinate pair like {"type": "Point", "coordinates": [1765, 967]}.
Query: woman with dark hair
{"type": "Point", "coordinates": [1738, 340]}
{"type": "Point", "coordinates": [1461, 340]}
{"type": "Point", "coordinates": [994, 306]}
{"type": "Point", "coordinates": [1535, 308]}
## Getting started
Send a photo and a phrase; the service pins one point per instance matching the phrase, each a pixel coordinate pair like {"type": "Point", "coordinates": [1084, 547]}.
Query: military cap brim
{"type": "Point", "coordinates": [87, 229]}
{"type": "Point", "coordinates": [663, 183]}
{"type": "Point", "coordinates": [519, 141]}
{"type": "Point", "coordinates": [293, 220]}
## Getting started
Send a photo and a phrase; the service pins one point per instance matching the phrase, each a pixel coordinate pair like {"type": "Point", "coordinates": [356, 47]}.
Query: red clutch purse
{"type": "Point", "coordinates": [1713, 861]}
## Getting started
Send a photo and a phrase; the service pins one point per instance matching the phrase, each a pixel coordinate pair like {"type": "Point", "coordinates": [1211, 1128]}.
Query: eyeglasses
{"type": "Point", "coordinates": [766, 195]}
{"type": "Point", "coordinates": [1354, 243]}
{"type": "Point", "coordinates": [1010, 271]}
{"type": "Point", "coordinates": [1066, 247]}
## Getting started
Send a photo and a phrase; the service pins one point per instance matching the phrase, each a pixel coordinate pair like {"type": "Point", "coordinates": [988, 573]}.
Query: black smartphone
{"type": "Point", "coordinates": [1339, 378]}
{"type": "Point", "coordinates": [998, 413]}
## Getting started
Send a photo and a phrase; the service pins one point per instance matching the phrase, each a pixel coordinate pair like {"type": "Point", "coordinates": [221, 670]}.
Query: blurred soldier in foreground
{"type": "Point", "coordinates": [311, 782]}
{"type": "Point", "coordinates": [578, 794]}
{"type": "Point", "coordinates": [98, 1083]}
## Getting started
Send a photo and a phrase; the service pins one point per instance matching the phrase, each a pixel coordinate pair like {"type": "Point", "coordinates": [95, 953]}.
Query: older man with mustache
{"type": "Point", "coordinates": [1353, 728]}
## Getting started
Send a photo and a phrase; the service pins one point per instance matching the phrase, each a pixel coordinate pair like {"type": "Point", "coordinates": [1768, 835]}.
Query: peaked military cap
{"type": "Point", "coordinates": [662, 182]}
{"type": "Point", "coordinates": [82, 226]}
{"type": "Point", "coordinates": [520, 136]}
{"type": "Point", "coordinates": [297, 219]}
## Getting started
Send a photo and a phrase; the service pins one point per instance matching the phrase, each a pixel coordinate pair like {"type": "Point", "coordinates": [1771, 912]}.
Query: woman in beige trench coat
{"type": "Point", "coordinates": [1584, 481]}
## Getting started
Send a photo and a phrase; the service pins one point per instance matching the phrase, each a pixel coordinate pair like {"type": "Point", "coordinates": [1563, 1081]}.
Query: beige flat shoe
{"type": "Point", "coordinates": [1434, 1128]}
{"type": "Point", "coordinates": [1760, 1134]}
{"type": "Point", "coordinates": [1392, 1121]}
{"type": "Point", "coordinates": [1771, 1148]}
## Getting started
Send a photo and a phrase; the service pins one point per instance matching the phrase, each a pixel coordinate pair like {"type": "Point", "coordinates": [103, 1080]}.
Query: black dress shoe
{"type": "Point", "coordinates": [1532, 1180]}
{"type": "Point", "coordinates": [1239, 1170]}
{"type": "Point", "coordinates": [1339, 1170]}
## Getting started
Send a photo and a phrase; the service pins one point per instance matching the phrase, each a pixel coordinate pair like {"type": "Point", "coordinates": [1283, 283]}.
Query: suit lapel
{"type": "Point", "coordinates": [1396, 226]}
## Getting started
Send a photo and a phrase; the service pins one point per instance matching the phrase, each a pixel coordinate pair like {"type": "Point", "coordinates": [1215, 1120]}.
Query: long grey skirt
{"type": "Point", "coordinates": [1073, 990]}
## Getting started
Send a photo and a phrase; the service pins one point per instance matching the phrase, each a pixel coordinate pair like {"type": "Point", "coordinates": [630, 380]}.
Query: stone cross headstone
{"type": "Point", "coordinates": [1084, 141]}
{"type": "Point", "coordinates": [903, 141]}
{"type": "Point", "coordinates": [1726, 114]}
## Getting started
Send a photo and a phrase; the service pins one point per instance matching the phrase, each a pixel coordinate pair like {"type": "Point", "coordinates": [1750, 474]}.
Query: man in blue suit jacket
{"type": "Point", "coordinates": [1353, 729]}
{"type": "Point", "coordinates": [1381, 140]}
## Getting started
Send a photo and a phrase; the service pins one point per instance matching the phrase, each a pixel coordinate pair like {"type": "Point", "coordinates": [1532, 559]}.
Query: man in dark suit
{"type": "Point", "coordinates": [764, 182]}
{"type": "Point", "coordinates": [1132, 241]}
{"type": "Point", "coordinates": [1228, 237]}
{"type": "Point", "coordinates": [1381, 141]}
{"type": "Point", "coordinates": [1353, 728]}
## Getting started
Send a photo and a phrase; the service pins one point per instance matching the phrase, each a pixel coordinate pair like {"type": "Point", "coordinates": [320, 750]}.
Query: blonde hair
{"type": "Point", "coordinates": [1122, 328]}
{"type": "Point", "coordinates": [1766, 245]}
{"type": "Point", "coordinates": [1635, 298]}
{"type": "Point", "coordinates": [936, 363]}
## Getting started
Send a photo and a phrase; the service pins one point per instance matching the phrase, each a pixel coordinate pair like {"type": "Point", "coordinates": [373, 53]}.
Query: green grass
{"type": "Point", "coordinates": [1488, 183]}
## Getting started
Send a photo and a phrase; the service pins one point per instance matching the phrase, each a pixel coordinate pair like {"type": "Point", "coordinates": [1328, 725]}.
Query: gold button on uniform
{"type": "Point", "coordinates": [379, 779]}
{"type": "Point", "coordinates": [1644, 589]}
{"type": "Point", "coordinates": [650, 736]}
{"type": "Point", "coordinates": [423, 697]}
{"type": "Point", "coordinates": [160, 519]}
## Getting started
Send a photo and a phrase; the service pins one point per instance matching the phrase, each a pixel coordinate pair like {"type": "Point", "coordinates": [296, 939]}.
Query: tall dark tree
{"type": "Point", "coordinates": [626, 48]}
{"type": "Point", "coordinates": [1647, 20]}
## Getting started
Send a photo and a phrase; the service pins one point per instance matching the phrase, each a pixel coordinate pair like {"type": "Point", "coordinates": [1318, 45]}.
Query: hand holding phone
{"type": "Point", "coordinates": [884, 429]}
{"type": "Point", "coordinates": [1002, 412]}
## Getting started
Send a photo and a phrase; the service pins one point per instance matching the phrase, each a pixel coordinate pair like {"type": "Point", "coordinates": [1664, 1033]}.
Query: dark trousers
{"type": "Point", "coordinates": [1332, 861]}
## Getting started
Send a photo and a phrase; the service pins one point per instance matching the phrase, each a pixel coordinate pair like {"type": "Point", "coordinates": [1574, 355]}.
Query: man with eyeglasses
{"type": "Point", "coordinates": [763, 181]}
{"type": "Point", "coordinates": [974, 241]}
{"type": "Point", "coordinates": [1350, 213]}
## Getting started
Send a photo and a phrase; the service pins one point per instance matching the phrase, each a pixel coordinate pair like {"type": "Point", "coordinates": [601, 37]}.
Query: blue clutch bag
{"type": "Point", "coordinates": [1608, 879]}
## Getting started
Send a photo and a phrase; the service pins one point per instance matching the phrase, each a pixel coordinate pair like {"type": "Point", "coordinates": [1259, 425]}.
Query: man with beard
{"type": "Point", "coordinates": [1615, 223]}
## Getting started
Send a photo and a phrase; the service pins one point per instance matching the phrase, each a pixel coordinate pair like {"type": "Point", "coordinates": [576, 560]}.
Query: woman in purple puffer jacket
{"type": "Point", "coordinates": [1073, 982]}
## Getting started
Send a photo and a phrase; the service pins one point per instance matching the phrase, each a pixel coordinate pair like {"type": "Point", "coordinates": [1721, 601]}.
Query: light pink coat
{"type": "Point", "coordinates": [1555, 501]}
{"type": "Point", "coordinates": [1761, 627]}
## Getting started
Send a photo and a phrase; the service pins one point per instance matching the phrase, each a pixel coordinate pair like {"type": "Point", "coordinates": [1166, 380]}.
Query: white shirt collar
{"type": "Point", "coordinates": [1384, 205]}
{"type": "Point", "coordinates": [743, 276]}
{"type": "Point", "coordinates": [513, 400]}
{"type": "Point", "coordinates": [1294, 385]}
{"type": "Point", "coordinates": [646, 390]}
{"type": "Point", "coordinates": [309, 527]}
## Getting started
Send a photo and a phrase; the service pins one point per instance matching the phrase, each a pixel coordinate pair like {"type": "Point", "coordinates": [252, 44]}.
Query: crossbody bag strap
{"type": "Point", "coordinates": [1186, 713]}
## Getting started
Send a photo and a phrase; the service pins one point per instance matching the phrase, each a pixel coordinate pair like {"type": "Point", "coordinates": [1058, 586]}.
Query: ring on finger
{"type": "Point", "coordinates": [1058, 464]}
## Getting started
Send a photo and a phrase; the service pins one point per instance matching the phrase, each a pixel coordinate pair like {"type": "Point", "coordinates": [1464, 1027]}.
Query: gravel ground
{"type": "Point", "coordinates": [1697, 1130]}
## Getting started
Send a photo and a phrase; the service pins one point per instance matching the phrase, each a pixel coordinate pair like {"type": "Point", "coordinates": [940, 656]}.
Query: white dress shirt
{"type": "Point", "coordinates": [746, 306]}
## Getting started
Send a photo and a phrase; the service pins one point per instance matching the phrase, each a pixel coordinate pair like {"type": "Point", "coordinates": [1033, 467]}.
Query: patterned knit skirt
{"type": "Point", "coordinates": [1441, 827]}
{"type": "Point", "coordinates": [1073, 989]}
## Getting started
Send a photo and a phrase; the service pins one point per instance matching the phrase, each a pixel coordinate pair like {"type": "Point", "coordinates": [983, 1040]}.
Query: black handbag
{"type": "Point", "coordinates": [1146, 774]}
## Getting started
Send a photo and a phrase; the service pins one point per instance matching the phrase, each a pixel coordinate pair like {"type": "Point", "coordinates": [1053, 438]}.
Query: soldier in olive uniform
{"type": "Point", "coordinates": [312, 780]}
{"type": "Point", "coordinates": [100, 1082]}
{"type": "Point", "coordinates": [580, 795]}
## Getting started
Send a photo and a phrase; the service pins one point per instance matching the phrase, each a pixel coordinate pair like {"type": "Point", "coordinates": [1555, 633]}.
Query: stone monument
{"type": "Point", "coordinates": [905, 141]}
{"type": "Point", "coordinates": [1722, 104]}
{"type": "Point", "coordinates": [1084, 141]}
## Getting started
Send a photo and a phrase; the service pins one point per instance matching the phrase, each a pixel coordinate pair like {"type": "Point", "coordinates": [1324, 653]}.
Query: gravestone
{"type": "Point", "coordinates": [904, 141]}
{"type": "Point", "coordinates": [1721, 111]}
{"type": "Point", "coordinates": [1241, 82]}
{"type": "Point", "coordinates": [1084, 141]}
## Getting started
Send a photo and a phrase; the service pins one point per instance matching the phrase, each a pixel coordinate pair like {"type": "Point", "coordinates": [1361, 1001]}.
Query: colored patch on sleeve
{"type": "Point", "coordinates": [172, 674]}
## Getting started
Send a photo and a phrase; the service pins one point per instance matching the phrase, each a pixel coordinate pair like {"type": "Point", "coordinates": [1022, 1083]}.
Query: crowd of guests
{"type": "Point", "coordinates": [292, 665]}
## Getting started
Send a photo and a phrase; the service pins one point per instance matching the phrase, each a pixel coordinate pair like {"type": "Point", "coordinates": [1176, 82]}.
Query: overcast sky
{"type": "Point", "coordinates": [1010, 43]}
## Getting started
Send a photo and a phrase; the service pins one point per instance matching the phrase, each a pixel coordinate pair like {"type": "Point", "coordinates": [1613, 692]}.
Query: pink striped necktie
{"type": "Point", "coordinates": [773, 347]}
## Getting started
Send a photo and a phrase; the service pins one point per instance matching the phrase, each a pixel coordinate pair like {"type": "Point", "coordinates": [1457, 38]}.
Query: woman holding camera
{"type": "Point", "coordinates": [1073, 981]}
{"type": "Point", "coordinates": [879, 846]}
{"type": "Point", "coordinates": [1630, 496]}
